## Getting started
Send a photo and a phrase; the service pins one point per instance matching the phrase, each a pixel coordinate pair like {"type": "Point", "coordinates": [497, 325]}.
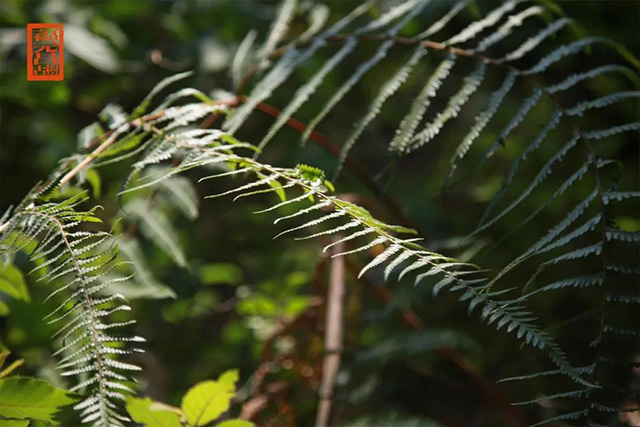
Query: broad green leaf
{"type": "Point", "coordinates": [29, 398]}
{"type": "Point", "coordinates": [207, 400]}
{"type": "Point", "coordinates": [147, 412]}
{"type": "Point", "coordinates": [16, 423]}
{"type": "Point", "coordinates": [229, 377]}
{"type": "Point", "coordinates": [12, 283]}
{"type": "Point", "coordinates": [235, 423]}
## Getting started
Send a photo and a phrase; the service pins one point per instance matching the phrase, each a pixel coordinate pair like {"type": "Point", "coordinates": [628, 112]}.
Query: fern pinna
{"type": "Point", "coordinates": [507, 65]}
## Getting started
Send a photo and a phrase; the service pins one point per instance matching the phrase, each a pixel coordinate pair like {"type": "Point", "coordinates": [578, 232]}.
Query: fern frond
{"type": "Point", "coordinates": [471, 84]}
{"type": "Point", "coordinates": [352, 223]}
{"type": "Point", "coordinates": [82, 259]}
{"type": "Point", "coordinates": [283, 69]}
{"type": "Point", "coordinates": [411, 121]}
{"type": "Point", "coordinates": [278, 29]}
{"type": "Point", "coordinates": [411, 8]}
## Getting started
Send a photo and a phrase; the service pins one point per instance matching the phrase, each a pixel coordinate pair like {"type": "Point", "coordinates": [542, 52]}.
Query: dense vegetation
{"type": "Point", "coordinates": [452, 188]}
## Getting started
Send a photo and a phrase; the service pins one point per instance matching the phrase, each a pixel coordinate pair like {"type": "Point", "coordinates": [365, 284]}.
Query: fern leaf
{"type": "Point", "coordinates": [157, 228]}
{"type": "Point", "coordinates": [518, 118]}
{"type": "Point", "coordinates": [141, 109]}
{"type": "Point", "coordinates": [414, 7]}
{"type": "Point", "coordinates": [298, 199]}
{"type": "Point", "coordinates": [506, 29]}
{"type": "Point", "coordinates": [317, 18]}
{"type": "Point", "coordinates": [567, 394]}
{"type": "Point", "coordinates": [350, 237]}
{"type": "Point", "coordinates": [574, 282]}
{"type": "Point", "coordinates": [477, 27]}
{"type": "Point", "coordinates": [282, 70]}
{"type": "Point", "coordinates": [624, 298]}
{"type": "Point", "coordinates": [387, 90]}
{"type": "Point", "coordinates": [533, 42]}
{"type": "Point", "coordinates": [481, 121]}
{"type": "Point", "coordinates": [602, 102]}
{"type": "Point", "coordinates": [619, 196]}
{"type": "Point", "coordinates": [304, 92]}
{"type": "Point", "coordinates": [551, 235]}
{"type": "Point", "coordinates": [544, 172]}
{"type": "Point", "coordinates": [614, 130]}
{"type": "Point", "coordinates": [577, 254]}
{"type": "Point", "coordinates": [585, 370]}
{"type": "Point", "coordinates": [561, 52]}
{"type": "Point", "coordinates": [410, 122]}
{"type": "Point", "coordinates": [441, 23]}
{"type": "Point", "coordinates": [381, 258]}
{"type": "Point", "coordinates": [455, 104]}
{"type": "Point", "coordinates": [346, 87]}
{"type": "Point", "coordinates": [280, 26]}
{"type": "Point", "coordinates": [576, 78]}
{"type": "Point", "coordinates": [623, 236]}
{"type": "Point", "coordinates": [317, 206]}
{"type": "Point", "coordinates": [377, 241]}
{"type": "Point", "coordinates": [407, 8]}
{"type": "Point", "coordinates": [181, 193]}
{"type": "Point", "coordinates": [265, 181]}
{"type": "Point", "coordinates": [239, 63]}
{"type": "Point", "coordinates": [320, 220]}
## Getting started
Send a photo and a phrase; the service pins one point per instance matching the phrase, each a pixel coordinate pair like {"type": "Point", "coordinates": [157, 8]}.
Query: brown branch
{"type": "Point", "coordinates": [333, 336]}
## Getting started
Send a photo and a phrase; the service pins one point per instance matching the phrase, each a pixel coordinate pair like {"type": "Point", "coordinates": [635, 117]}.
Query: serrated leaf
{"type": "Point", "coordinates": [29, 398]}
{"type": "Point", "coordinates": [207, 400]}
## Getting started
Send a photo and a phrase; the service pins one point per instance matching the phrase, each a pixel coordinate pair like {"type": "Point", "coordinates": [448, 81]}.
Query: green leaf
{"type": "Point", "coordinates": [235, 423]}
{"type": "Point", "coordinates": [93, 178]}
{"type": "Point", "coordinates": [207, 400]}
{"type": "Point", "coordinates": [4, 309]}
{"type": "Point", "coordinates": [155, 225]}
{"type": "Point", "coordinates": [147, 412]}
{"type": "Point", "coordinates": [230, 378]}
{"type": "Point", "coordinates": [278, 190]}
{"type": "Point", "coordinates": [29, 398]}
{"type": "Point", "coordinates": [16, 423]}
{"type": "Point", "coordinates": [12, 283]}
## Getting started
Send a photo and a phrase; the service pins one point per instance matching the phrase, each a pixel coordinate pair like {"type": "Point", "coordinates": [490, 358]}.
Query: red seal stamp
{"type": "Point", "coordinates": [45, 52]}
